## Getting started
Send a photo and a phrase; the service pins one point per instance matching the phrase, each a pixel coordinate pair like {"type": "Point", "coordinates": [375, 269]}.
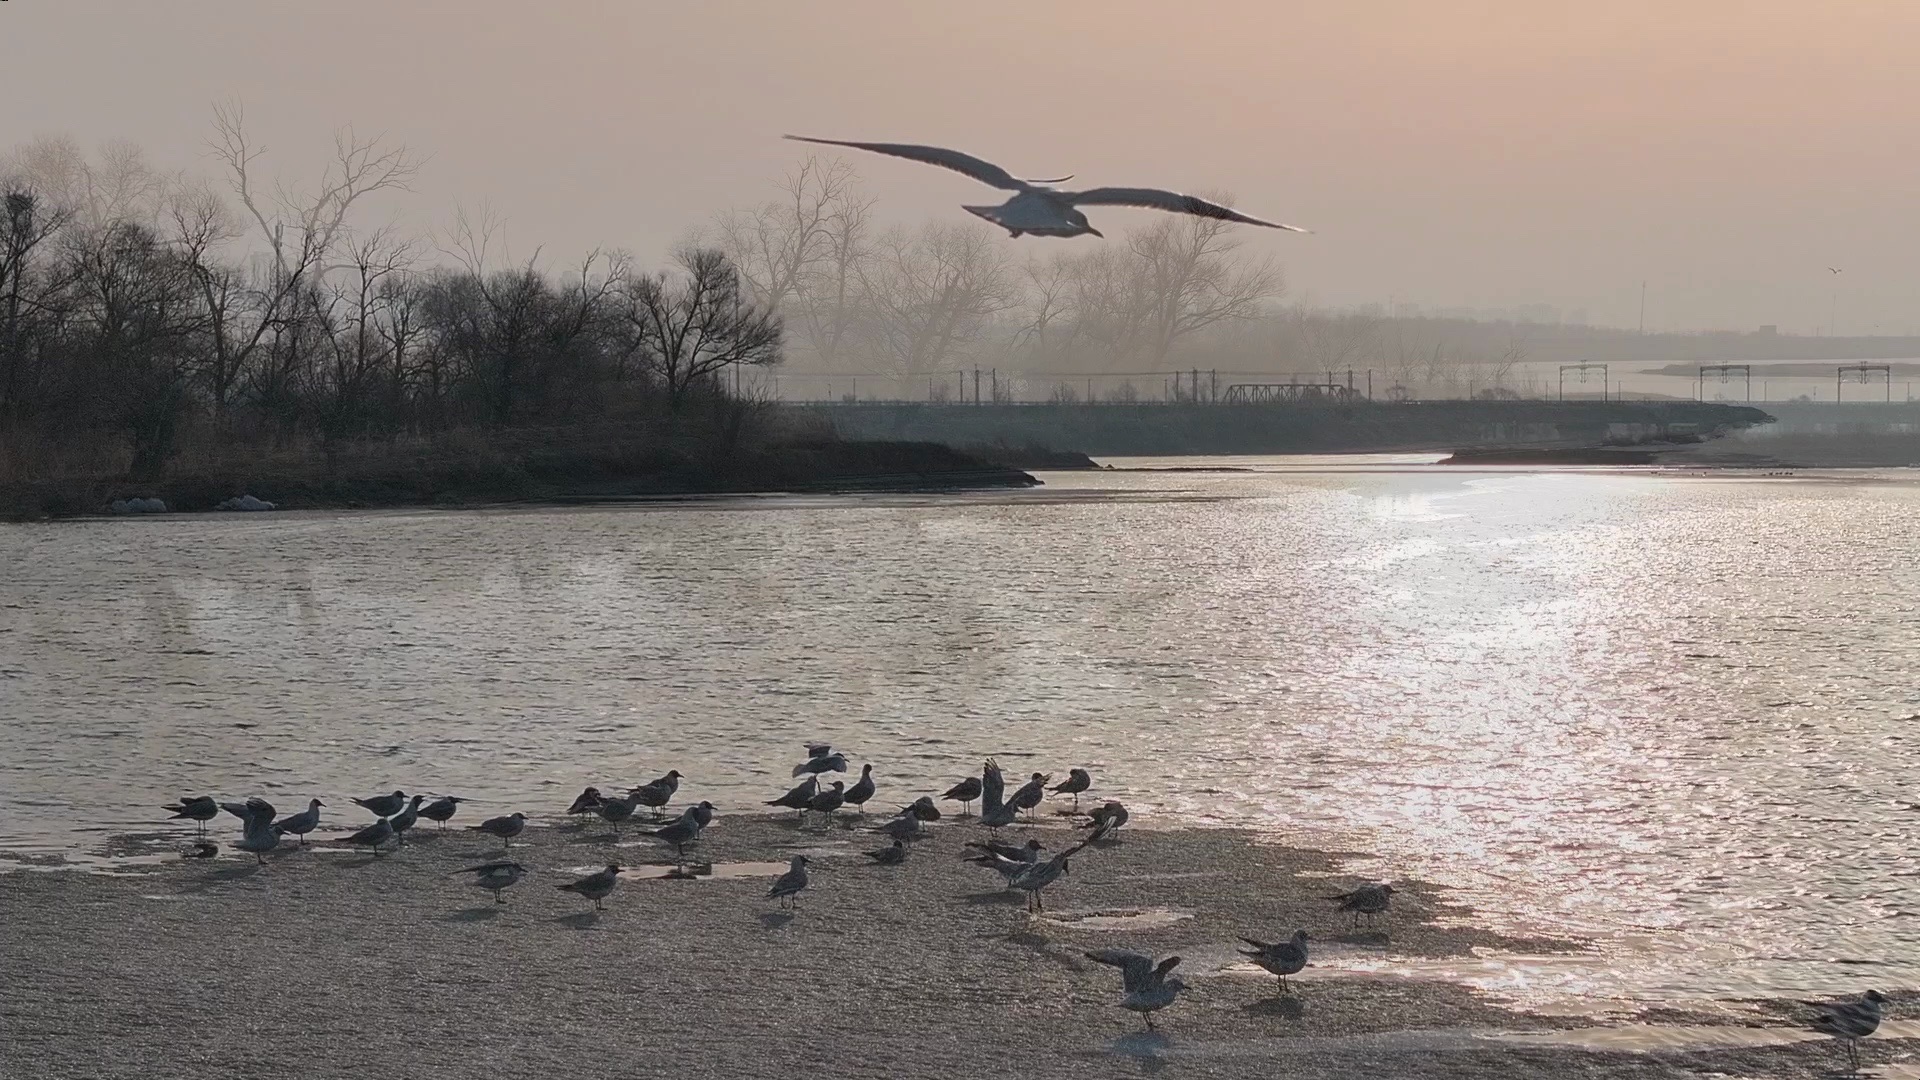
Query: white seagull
{"type": "Point", "coordinates": [1038, 209]}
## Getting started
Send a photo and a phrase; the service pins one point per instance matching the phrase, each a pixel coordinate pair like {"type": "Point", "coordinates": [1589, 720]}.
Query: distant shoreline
{"type": "Point", "coordinates": [525, 476]}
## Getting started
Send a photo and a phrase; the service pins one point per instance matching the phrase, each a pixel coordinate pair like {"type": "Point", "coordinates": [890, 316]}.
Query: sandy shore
{"type": "Point", "coordinates": [337, 964]}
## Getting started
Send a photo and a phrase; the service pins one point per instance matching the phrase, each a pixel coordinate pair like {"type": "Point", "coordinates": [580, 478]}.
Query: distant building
{"type": "Point", "coordinates": [1768, 329]}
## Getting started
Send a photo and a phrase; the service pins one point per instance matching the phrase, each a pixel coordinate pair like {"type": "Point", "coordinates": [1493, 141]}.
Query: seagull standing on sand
{"type": "Point", "coordinates": [1038, 876]}
{"type": "Point", "coordinates": [966, 791]}
{"type": "Point", "coordinates": [826, 802]}
{"type": "Point", "coordinates": [922, 809]}
{"type": "Point", "coordinates": [373, 836]}
{"type": "Point", "coordinates": [684, 830]}
{"type": "Point", "coordinates": [586, 802]}
{"type": "Point", "coordinates": [902, 826]}
{"type": "Point", "coordinates": [657, 793]}
{"type": "Point", "coordinates": [405, 819]}
{"type": "Point", "coordinates": [1030, 793]}
{"type": "Point", "coordinates": [258, 833]}
{"type": "Point", "coordinates": [1077, 781]}
{"type": "Point", "coordinates": [1368, 900]}
{"type": "Point", "coordinates": [1851, 1021]}
{"type": "Point", "coordinates": [1104, 819]}
{"type": "Point", "coordinates": [442, 809]}
{"type": "Point", "coordinates": [615, 811]}
{"type": "Point", "coordinates": [1039, 210]}
{"type": "Point", "coordinates": [302, 823]}
{"type": "Point", "coordinates": [799, 796]}
{"type": "Point", "coordinates": [506, 828]}
{"type": "Point", "coordinates": [786, 888]}
{"type": "Point", "coordinates": [862, 789]}
{"type": "Point", "coordinates": [1282, 958]}
{"type": "Point", "coordinates": [1148, 989]}
{"type": "Point", "coordinates": [595, 886]}
{"type": "Point", "coordinates": [495, 877]}
{"type": "Point", "coordinates": [383, 805]}
{"type": "Point", "coordinates": [198, 809]}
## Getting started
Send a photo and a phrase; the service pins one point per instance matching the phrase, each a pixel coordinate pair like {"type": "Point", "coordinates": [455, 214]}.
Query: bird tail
{"type": "Point", "coordinates": [1257, 944]}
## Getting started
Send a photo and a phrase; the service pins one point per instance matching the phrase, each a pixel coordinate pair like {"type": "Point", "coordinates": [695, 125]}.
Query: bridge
{"type": "Point", "coordinates": [1304, 426]}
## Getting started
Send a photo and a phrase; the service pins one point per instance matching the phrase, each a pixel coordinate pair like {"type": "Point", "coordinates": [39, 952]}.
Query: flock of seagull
{"type": "Point", "coordinates": [1148, 984]}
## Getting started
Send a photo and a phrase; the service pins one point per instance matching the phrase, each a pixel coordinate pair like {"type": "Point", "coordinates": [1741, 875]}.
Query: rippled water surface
{"type": "Point", "coordinates": [1681, 714]}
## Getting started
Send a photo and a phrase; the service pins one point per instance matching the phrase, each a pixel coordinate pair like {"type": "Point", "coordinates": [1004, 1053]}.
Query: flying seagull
{"type": "Point", "coordinates": [1040, 210]}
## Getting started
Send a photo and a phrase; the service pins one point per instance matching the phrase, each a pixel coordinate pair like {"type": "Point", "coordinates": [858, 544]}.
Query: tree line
{"type": "Point", "coordinates": [139, 311]}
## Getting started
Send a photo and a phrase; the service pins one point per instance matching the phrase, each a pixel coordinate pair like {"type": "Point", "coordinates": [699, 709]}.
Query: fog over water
{"type": "Point", "coordinates": [1675, 713]}
{"type": "Point", "coordinates": [1487, 155]}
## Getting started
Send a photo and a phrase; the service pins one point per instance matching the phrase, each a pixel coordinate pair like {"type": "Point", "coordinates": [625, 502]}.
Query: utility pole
{"type": "Point", "coordinates": [1643, 306]}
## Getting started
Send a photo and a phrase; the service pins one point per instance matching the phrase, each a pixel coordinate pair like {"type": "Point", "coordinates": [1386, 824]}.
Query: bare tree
{"type": "Point", "coordinates": [778, 245]}
{"type": "Point", "coordinates": [26, 223]}
{"type": "Point", "coordinates": [929, 294]}
{"type": "Point", "coordinates": [359, 168]}
{"type": "Point", "coordinates": [119, 185]}
{"type": "Point", "coordinates": [797, 255]}
{"type": "Point", "coordinates": [693, 328]}
{"type": "Point", "coordinates": [1190, 280]}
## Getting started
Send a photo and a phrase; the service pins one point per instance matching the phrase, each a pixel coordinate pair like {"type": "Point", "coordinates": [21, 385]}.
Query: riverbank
{"type": "Point", "coordinates": [329, 963]}
{"type": "Point", "coordinates": [520, 468]}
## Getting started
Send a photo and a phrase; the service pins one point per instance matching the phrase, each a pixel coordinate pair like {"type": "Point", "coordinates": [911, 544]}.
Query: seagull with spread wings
{"type": "Point", "coordinates": [1039, 209]}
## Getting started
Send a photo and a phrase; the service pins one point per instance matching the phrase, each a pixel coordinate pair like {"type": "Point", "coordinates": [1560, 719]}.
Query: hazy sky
{"type": "Point", "coordinates": [1448, 153]}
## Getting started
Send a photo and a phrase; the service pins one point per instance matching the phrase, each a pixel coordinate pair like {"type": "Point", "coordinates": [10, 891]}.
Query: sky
{"type": "Point", "coordinates": [1445, 152]}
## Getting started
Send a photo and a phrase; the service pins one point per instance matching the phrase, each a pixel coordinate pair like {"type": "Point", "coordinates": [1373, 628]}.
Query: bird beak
{"type": "Point", "coordinates": [1096, 232]}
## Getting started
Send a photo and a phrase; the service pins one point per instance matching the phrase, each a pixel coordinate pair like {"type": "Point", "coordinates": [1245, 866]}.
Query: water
{"type": "Point", "coordinates": [1677, 714]}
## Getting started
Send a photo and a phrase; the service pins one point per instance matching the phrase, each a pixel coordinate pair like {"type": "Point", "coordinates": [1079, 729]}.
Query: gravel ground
{"type": "Point", "coordinates": [328, 963]}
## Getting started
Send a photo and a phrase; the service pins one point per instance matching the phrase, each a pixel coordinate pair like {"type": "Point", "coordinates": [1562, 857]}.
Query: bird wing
{"type": "Point", "coordinates": [984, 171]}
{"type": "Point", "coordinates": [1156, 199]}
{"type": "Point", "coordinates": [488, 867]}
{"type": "Point", "coordinates": [1134, 967]}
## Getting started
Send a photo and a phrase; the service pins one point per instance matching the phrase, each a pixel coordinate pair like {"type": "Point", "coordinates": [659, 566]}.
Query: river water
{"type": "Point", "coordinates": [1681, 714]}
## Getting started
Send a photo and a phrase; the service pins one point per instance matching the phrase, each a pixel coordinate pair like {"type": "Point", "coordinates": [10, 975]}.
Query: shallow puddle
{"type": "Point", "coordinates": [1118, 919]}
